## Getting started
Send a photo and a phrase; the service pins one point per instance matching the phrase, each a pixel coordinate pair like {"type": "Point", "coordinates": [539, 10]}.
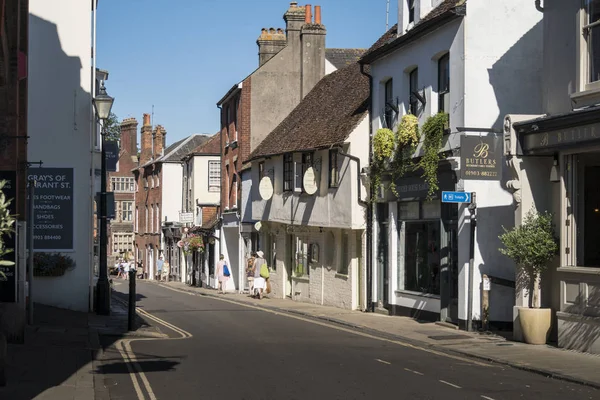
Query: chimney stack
{"type": "Point", "coordinates": [147, 142]}
{"type": "Point", "coordinates": [270, 43]}
{"type": "Point", "coordinates": [129, 136]}
{"type": "Point", "coordinates": [294, 19]}
{"type": "Point", "coordinates": [158, 137]}
{"type": "Point", "coordinates": [312, 39]}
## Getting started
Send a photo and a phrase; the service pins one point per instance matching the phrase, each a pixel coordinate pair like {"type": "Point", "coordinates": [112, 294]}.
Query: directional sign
{"type": "Point", "coordinates": [456, 197]}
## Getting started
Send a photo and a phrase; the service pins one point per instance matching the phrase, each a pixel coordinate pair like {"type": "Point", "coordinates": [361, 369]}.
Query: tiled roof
{"type": "Point", "coordinates": [325, 117]}
{"type": "Point", "coordinates": [341, 58]}
{"type": "Point", "coordinates": [177, 151]}
{"type": "Point", "coordinates": [211, 146]}
{"type": "Point", "coordinates": [391, 37]}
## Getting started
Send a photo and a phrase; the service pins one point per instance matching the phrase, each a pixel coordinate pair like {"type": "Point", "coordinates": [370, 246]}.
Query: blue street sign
{"type": "Point", "coordinates": [456, 197]}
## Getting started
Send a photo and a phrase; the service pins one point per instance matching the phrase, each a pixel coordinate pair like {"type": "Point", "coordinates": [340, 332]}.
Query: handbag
{"type": "Point", "coordinates": [225, 270]}
{"type": "Point", "coordinates": [264, 271]}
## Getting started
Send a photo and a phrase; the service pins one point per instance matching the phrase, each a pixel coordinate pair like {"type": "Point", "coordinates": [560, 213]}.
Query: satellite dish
{"type": "Point", "coordinates": [265, 188]}
{"type": "Point", "coordinates": [310, 181]}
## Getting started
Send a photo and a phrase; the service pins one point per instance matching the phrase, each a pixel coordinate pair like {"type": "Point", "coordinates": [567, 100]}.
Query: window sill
{"type": "Point", "coordinates": [419, 294]}
{"type": "Point", "coordinates": [590, 96]}
{"type": "Point", "coordinates": [580, 270]}
{"type": "Point", "coordinates": [342, 276]}
{"type": "Point", "coordinates": [301, 279]}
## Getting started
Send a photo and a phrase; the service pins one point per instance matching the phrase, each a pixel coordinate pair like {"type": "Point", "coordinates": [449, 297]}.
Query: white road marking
{"type": "Point", "coordinates": [340, 328]}
{"type": "Point", "coordinates": [450, 384]}
{"type": "Point", "coordinates": [124, 347]}
{"type": "Point", "coordinates": [414, 372]}
{"type": "Point", "coordinates": [486, 398]}
{"type": "Point", "coordinates": [383, 362]}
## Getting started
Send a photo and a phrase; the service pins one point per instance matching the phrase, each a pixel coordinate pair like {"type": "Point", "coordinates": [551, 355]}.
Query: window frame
{"type": "Point", "coordinates": [413, 78]}
{"type": "Point", "coordinates": [345, 256]}
{"type": "Point", "coordinates": [307, 162]}
{"type": "Point", "coordinates": [288, 172]}
{"type": "Point", "coordinates": [214, 175]}
{"type": "Point", "coordinates": [261, 171]}
{"type": "Point", "coordinates": [410, 4]}
{"type": "Point", "coordinates": [443, 87]}
{"type": "Point", "coordinates": [334, 170]}
{"type": "Point", "coordinates": [388, 89]}
{"type": "Point", "coordinates": [126, 210]}
{"type": "Point", "coordinates": [587, 29]}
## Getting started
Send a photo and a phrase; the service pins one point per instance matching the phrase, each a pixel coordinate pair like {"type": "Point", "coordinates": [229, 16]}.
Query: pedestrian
{"type": "Point", "coordinates": [223, 274]}
{"type": "Point", "coordinates": [159, 267]}
{"type": "Point", "coordinates": [250, 272]}
{"type": "Point", "coordinates": [126, 266]}
{"type": "Point", "coordinates": [261, 273]}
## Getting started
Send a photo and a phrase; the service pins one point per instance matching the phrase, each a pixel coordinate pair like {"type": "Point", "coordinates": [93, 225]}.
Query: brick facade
{"type": "Point", "coordinates": [120, 231]}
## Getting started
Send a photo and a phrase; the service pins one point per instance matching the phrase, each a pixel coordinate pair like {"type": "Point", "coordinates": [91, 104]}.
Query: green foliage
{"type": "Point", "coordinates": [408, 131]}
{"type": "Point", "coordinates": [433, 130]}
{"type": "Point", "coordinates": [113, 128]}
{"type": "Point", "coordinates": [195, 243]}
{"type": "Point", "coordinates": [532, 245]}
{"type": "Point", "coordinates": [7, 223]}
{"type": "Point", "coordinates": [383, 144]}
{"type": "Point", "coordinates": [51, 264]}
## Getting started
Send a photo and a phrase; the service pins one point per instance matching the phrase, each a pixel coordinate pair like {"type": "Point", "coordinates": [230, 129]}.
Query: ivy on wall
{"type": "Point", "coordinates": [433, 131]}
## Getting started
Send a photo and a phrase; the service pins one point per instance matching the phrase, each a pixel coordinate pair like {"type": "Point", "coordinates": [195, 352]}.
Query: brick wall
{"type": "Point", "coordinates": [244, 123]}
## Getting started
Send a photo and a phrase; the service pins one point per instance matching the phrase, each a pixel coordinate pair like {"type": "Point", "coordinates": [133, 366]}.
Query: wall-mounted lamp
{"type": "Point", "coordinates": [554, 173]}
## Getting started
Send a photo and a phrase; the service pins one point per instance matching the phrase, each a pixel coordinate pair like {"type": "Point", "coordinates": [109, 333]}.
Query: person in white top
{"type": "Point", "coordinates": [126, 269]}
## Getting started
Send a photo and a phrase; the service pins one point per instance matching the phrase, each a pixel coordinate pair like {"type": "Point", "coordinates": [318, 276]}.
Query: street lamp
{"type": "Point", "coordinates": [102, 105]}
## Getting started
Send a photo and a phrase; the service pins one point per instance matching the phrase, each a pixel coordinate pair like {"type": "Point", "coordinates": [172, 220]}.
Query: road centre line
{"type": "Point", "coordinates": [414, 372]}
{"type": "Point", "coordinates": [486, 398]}
{"type": "Point", "coordinates": [339, 328]}
{"type": "Point", "coordinates": [383, 362]}
{"type": "Point", "coordinates": [450, 384]}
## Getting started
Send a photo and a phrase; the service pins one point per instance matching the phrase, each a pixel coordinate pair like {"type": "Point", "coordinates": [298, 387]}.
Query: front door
{"type": "Point", "coordinates": [382, 254]}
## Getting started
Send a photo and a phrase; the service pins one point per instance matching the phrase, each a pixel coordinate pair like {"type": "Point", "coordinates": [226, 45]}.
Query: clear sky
{"type": "Point", "coordinates": [182, 56]}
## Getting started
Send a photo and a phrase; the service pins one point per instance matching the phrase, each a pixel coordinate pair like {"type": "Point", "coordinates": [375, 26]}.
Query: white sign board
{"type": "Point", "coordinates": [265, 188]}
{"type": "Point", "coordinates": [310, 181]}
{"type": "Point", "coordinates": [487, 284]}
{"type": "Point", "coordinates": [186, 218]}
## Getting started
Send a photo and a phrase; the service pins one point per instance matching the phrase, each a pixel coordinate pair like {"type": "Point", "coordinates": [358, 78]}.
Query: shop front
{"type": "Point", "coordinates": [572, 144]}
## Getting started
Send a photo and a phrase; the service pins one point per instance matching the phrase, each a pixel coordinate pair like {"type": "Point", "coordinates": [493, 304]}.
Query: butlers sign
{"type": "Point", "coordinates": [481, 158]}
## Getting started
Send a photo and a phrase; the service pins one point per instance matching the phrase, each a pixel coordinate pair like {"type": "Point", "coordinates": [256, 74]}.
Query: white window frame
{"type": "Point", "coordinates": [585, 86]}
{"type": "Point", "coordinates": [157, 218]}
{"type": "Point", "coordinates": [199, 216]}
{"type": "Point", "coordinates": [146, 224]}
{"type": "Point", "coordinates": [151, 230]}
{"type": "Point", "coordinates": [137, 218]}
{"type": "Point", "coordinates": [214, 175]}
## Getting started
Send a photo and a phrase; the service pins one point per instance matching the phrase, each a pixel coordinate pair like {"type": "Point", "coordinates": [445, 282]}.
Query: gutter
{"type": "Point", "coordinates": [369, 306]}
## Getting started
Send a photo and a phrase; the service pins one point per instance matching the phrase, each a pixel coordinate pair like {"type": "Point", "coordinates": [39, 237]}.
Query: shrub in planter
{"type": "Point", "coordinates": [51, 264]}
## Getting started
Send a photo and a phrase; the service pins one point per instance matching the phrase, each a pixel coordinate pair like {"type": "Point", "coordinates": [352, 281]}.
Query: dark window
{"type": "Point", "coordinates": [592, 34]}
{"type": "Point", "coordinates": [227, 119]}
{"type": "Point", "coordinates": [411, 10]}
{"type": "Point", "coordinates": [389, 101]}
{"type": "Point", "coordinates": [288, 172]}
{"type": "Point", "coordinates": [307, 161]}
{"type": "Point", "coordinates": [235, 122]}
{"type": "Point", "coordinates": [334, 173]}
{"type": "Point", "coordinates": [413, 88]}
{"type": "Point", "coordinates": [261, 170]}
{"type": "Point", "coordinates": [444, 84]}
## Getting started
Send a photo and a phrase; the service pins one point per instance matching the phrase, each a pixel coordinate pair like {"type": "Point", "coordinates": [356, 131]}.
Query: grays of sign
{"type": "Point", "coordinates": [8, 288]}
{"type": "Point", "coordinates": [53, 208]}
{"type": "Point", "coordinates": [481, 158]}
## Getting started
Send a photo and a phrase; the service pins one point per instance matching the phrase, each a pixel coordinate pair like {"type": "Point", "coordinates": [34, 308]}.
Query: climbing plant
{"type": "Point", "coordinates": [407, 139]}
{"type": "Point", "coordinates": [383, 150]}
{"type": "Point", "coordinates": [433, 131]}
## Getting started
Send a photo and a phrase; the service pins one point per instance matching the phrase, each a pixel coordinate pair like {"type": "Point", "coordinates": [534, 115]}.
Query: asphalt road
{"type": "Point", "coordinates": [237, 352]}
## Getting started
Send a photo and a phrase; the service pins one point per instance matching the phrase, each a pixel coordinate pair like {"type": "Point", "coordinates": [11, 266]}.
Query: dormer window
{"type": "Point", "coordinates": [411, 11]}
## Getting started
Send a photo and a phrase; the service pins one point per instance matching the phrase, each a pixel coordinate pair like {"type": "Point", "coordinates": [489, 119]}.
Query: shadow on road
{"type": "Point", "coordinates": [146, 366]}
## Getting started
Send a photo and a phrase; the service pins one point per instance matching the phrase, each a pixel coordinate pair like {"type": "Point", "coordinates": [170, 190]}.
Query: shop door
{"type": "Point", "coordinates": [383, 254]}
{"type": "Point", "coordinates": [449, 263]}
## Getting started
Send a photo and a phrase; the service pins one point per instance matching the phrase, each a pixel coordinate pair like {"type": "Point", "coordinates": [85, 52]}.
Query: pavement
{"type": "Point", "coordinates": [61, 354]}
{"type": "Point", "coordinates": [234, 347]}
{"type": "Point", "coordinates": [570, 366]}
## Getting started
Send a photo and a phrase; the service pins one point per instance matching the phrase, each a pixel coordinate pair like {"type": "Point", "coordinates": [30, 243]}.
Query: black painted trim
{"type": "Point", "coordinates": [560, 121]}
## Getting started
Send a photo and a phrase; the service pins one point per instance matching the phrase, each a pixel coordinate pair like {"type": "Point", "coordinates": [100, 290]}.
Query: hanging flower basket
{"type": "Point", "coordinates": [51, 264]}
{"type": "Point", "coordinates": [194, 243]}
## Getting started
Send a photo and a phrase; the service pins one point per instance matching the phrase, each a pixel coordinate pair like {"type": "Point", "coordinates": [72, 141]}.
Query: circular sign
{"type": "Point", "coordinates": [265, 188]}
{"type": "Point", "coordinates": [310, 181]}
{"type": "Point", "coordinates": [180, 244]}
{"type": "Point", "coordinates": [258, 225]}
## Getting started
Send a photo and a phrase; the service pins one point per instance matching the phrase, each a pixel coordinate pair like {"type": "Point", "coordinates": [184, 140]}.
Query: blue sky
{"type": "Point", "coordinates": [182, 59]}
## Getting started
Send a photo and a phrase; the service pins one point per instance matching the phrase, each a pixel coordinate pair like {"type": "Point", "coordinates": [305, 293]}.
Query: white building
{"type": "Point", "coordinates": [308, 196]}
{"type": "Point", "coordinates": [64, 136]}
{"type": "Point", "coordinates": [201, 197]}
{"type": "Point", "coordinates": [475, 61]}
{"type": "Point", "coordinates": [555, 167]}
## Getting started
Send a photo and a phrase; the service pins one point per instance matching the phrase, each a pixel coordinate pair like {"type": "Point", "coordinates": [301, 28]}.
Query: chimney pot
{"type": "Point", "coordinates": [279, 30]}
{"type": "Point", "coordinates": [318, 15]}
{"type": "Point", "coordinates": [272, 31]}
{"type": "Point", "coordinates": [308, 14]}
{"type": "Point", "coordinates": [293, 4]}
{"type": "Point", "coordinates": [146, 119]}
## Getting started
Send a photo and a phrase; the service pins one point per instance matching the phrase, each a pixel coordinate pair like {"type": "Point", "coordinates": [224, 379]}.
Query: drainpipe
{"type": "Point", "coordinates": [357, 160]}
{"type": "Point", "coordinates": [221, 186]}
{"type": "Point", "coordinates": [369, 307]}
{"type": "Point", "coordinates": [538, 6]}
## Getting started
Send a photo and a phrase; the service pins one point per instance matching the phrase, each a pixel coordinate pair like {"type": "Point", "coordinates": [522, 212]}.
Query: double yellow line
{"type": "Point", "coordinates": [135, 371]}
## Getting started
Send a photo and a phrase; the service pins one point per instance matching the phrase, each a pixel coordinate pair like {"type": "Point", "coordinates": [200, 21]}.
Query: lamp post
{"type": "Point", "coordinates": [103, 104]}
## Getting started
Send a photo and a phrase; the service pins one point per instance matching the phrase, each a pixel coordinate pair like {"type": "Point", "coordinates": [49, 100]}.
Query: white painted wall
{"type": "Point", "coordinates": [329, 207]}
{"type": "Point", "coordinates": [200, 181]}
{"type": "Point", "coordinates": [60, 126]}
{"type": "Point", "coordinates": [172, 187]}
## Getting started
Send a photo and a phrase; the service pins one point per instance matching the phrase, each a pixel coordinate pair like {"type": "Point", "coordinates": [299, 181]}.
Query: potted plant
{"type": "Point", "coordinates": [51, 264]}
{"type": "Point", "coordinates": [532, 246]}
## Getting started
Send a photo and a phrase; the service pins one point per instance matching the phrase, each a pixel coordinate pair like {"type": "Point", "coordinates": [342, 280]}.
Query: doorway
{"type": "Point", "coordinates": [289, 265]}
{"type": "Point", "coordinates": [383, 254]}
{"type": "Point", "coordinates": [449, 264]}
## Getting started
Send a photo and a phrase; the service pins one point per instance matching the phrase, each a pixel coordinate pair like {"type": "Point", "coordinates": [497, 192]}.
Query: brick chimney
{"type": "Point", "coordinates": [129, 136]}
{"type": "Point", "coordinates": [312, 39]}
{"type": "Point", "coordinates": [294, 19]}
{"type": "Point", "coordinates": [270, 42]}
{"type": "Point", "coordinates": [158, 141]}
{"type": "Point", "coordinates": [146, 150]}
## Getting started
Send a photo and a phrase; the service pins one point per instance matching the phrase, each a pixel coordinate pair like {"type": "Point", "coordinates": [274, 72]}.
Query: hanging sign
{"type": "Point", "coordinates": [265, 188]}
{"type": "Point", "coordinates": [481, 158]}
{"type": "Point", "coordinates": [310, 181]}
{"type": "Point", "coordinates": [111, 150]}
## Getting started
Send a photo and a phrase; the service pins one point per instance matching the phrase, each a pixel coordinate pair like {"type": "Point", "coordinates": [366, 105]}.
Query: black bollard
{"type": "Point", "coordinates": [131, 319]}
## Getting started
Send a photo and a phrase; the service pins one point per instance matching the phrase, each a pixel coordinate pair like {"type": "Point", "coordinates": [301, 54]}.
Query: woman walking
{"type": "Point", "coordinates": [223, 274]}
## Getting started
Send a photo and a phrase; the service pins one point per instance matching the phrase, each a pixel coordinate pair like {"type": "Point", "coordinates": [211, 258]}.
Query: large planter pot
{"type": "Point", "coordinates": [535, 324]}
